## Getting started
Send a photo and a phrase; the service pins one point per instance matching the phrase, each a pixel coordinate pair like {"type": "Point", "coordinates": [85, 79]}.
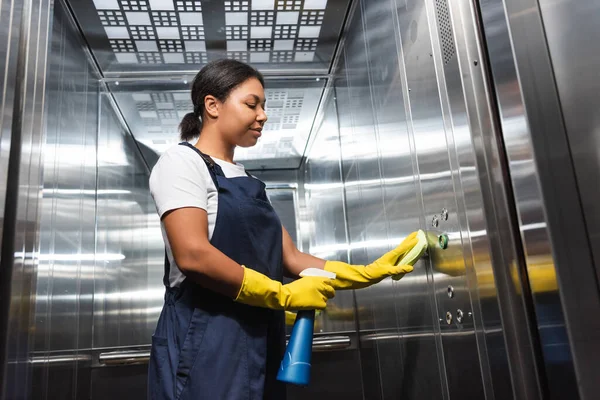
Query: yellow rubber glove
{"type": "Point", "coordinates": [360, 276]}
{"type": "Point", "coordinates": [308, 293]}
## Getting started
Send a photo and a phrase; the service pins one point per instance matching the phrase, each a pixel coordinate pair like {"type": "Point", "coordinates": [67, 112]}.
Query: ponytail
{"type": "Point", "coordinates": [190, 127]}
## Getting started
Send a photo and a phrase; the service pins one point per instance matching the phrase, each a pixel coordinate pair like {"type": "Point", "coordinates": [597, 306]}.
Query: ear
{"type": "Point", "coordinates": [211, 105]}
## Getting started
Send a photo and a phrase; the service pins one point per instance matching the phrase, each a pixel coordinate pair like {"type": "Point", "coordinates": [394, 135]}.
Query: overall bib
{"type": "Point", "coordinates": [206, 346]}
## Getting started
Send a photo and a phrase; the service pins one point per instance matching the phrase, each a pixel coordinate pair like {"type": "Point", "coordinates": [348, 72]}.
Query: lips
{"type": "Point", "coordinates": [257, 131]}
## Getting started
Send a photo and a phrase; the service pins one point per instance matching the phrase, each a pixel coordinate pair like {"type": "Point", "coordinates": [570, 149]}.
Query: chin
{"type": "Point", "coordinates": [248, 143]}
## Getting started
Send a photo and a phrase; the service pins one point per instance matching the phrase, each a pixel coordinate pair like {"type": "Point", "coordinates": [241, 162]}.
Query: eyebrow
{"type": "Point", "coordinates": [257, 99]}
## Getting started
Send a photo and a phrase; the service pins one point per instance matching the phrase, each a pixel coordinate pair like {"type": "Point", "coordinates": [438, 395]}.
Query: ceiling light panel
{"type": "Point", "coordinates": [277, 36]}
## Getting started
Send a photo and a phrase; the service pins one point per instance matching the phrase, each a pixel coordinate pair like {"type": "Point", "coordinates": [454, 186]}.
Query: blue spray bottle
{"type": "Point", "coordinates": [295, 366]}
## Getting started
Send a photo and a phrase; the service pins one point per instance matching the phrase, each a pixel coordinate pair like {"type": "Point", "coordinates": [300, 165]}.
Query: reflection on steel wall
{"type": "Point", "coordinates": [10, 18]}
{"type": "Point", "coordinates": [411, 116]}
{"type": "Point", "coordinates": [536, 56]}
{"type": "Point", "coordinates": [20, 236]}
{"type": "Point", "coordinates": [382, 208]}
{"type": "Point", "coordinates": [128, 294]}
{"type": "Point", "coordinates": [324, 230]}
{"type": "Point", "coordinates": [10, 25]}
{"type": "Point", "coordinates": [87, 245]}
{"type": "Point", "coordinates": [65, 273]}
{"type": "Point", "coordinates": [573, 36]}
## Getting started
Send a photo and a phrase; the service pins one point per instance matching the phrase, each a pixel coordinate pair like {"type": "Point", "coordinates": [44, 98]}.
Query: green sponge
{"type": "Point", "coordinates": [415, 253]}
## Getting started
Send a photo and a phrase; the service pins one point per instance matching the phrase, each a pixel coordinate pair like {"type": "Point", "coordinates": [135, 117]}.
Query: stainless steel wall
{"type": "Point", "coordinates": [128, 289]}
{"type": "Point", "coordinates": [410, 159]}
{"type": "Point", "coordinates": [572, 33]}
{"type": "Point", "coordinates": [10, 25]}
{"type": "Point", "coordinates": [382, 208]}
{"type": "Point", "coordinates": [25, 120]}
{"type": "Point", "coordinates": [541, 70]}
{"type": "Point", "coordinates": [88, 254]}
{"type": "Point", "coordinates": [62, 323]}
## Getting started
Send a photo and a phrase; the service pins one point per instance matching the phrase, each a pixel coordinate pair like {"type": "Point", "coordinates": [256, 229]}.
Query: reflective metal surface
{"type": "Point", "coordinates": [459, 118]}
{"type": "Point", "coordinates": [278, 37]}
{"type": "Point", "coordinates": [552, 221]}
{"type": "Point", "coordinates": [382, 206]}
{"type": "Point", "coordinates": [65, 272]}
{"type": "Point", "coordinates": [129, 250]}
{"type": "Point", "coordinates": [572, 33]}
{"type": "Point", "coordinates": [10, 25]}
{"type": "Point", "coordinates": [573, 38]}
{"type": "Point", "coordinates": [154, 108]}
{"type": "Point", "coordinates": [20, 246]}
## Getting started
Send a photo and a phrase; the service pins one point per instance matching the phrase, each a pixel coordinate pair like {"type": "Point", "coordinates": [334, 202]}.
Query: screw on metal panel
{"type": "Point", "coordinates": [448, 317]}
{"type": "Point", "coordinates": [475, 62]}
{"type": "Point", "coordinates": [459, 316]}
{"type": "Point", "coordinates": [435, 221]}
{"type": "Point", "coordinates": [443, 241]}
{"type": "Point", "coordinates": [445, 214]}
{"type": "Point", "coordinates": [450, 291]}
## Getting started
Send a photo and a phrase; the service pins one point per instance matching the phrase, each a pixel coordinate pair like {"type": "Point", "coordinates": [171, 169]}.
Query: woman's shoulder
{"type": "Point", "coordinates": [178, 155]}
{"type": "Point", "coordinates": [179, 160]}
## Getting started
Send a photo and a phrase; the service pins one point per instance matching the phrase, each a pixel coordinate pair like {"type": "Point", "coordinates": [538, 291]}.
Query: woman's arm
{"type": "Point", "coordinates": [198, 260]}
{"type": "Point", "coordinates": [295, 261]}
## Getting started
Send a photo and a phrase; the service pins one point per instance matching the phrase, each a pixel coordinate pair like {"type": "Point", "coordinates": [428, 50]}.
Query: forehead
{"type": "Point", "coordinates": [249, 87]}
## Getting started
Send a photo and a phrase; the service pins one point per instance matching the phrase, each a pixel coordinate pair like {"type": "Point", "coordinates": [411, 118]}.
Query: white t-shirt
{"type": "Point", "coordinates": [180, 179]}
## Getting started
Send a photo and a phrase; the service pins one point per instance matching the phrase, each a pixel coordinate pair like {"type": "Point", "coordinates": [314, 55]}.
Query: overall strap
{"type": "Point", "coordinates": [213, 167]}
{"type": "Point", "coordinates": [166, 275]}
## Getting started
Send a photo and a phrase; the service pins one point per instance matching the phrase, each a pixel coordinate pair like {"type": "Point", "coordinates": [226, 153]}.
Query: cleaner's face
{"type": "Point", "coordinates": [242, 116]}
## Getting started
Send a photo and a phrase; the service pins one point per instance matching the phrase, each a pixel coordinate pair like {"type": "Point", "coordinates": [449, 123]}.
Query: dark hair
{"type": "Point", "coordinates": [217, 78]}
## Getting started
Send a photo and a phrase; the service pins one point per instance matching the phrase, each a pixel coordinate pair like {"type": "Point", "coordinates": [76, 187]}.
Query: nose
{"type": "Point", "coordinates": [262, 116]}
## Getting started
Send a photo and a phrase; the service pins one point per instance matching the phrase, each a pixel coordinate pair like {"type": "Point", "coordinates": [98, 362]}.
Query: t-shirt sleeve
{"type": "Point", "coordinates": [178, 180]}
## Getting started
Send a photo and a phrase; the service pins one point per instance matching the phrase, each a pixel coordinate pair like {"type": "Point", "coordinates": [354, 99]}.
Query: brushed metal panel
{"type": "Point", "coordinates": [10, 23]}
{"type": "Point", "coordinates": [470, 116]}
{"type": "Point", "coordinates": [128, 272]}
{"type": "Point", "coordinates": [409, 307]}
{"type": "Point", "coordinates": [355, 223]}
{"type": "Point", "coordinates": [572, 34]}
{"type": "Point", "coordinates": [552, 223]}
{"type": "Point", "coordinates": [322, 216]}
{"type": "Point", "coordinates": [10, 26]}
{"type": "Point", "coordinates": [324, 231]}
{"type": "Point", "coordinates": [20, 247]}
{"type": "Point", "coordinates": [434, 145]}
{"type": "Point", "coordinates": [65, 284]}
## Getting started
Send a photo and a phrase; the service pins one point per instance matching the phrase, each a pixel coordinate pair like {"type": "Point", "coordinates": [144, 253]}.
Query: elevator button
{"type": "Point", "coordinates": [443, 241]}
{"type": "Point", "coordinates": [459, 316]}
{"type": "Point", "coordinates": [445, 214]}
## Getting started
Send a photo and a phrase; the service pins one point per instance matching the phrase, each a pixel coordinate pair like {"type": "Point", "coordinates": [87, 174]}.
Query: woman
{"type": "Point", "coordinates": [221, 331]}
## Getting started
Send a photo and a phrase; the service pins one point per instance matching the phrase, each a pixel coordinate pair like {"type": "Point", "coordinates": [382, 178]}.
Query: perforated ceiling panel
{"type": "Point", "coordinates": [153, 112]}
{"type": "Point", "coordinates": [151, 35]}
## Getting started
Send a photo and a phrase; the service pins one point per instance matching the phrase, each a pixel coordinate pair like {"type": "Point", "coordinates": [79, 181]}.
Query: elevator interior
{"type": "Point", "coordinates": [473, 120]}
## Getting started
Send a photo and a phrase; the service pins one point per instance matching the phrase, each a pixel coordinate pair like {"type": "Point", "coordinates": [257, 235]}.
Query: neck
{"type": "Point", "coordinates": [213, 144]}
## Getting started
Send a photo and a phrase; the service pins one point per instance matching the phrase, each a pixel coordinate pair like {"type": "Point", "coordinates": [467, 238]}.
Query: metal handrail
{"type": "Point", "coordinates": [320, 344]}
{"type": "Point", "coordinates": [124, 357]}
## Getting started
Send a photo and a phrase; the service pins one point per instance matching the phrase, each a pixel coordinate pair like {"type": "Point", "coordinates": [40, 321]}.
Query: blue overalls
{"type": "Point", "coordinates": [206, 346]}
